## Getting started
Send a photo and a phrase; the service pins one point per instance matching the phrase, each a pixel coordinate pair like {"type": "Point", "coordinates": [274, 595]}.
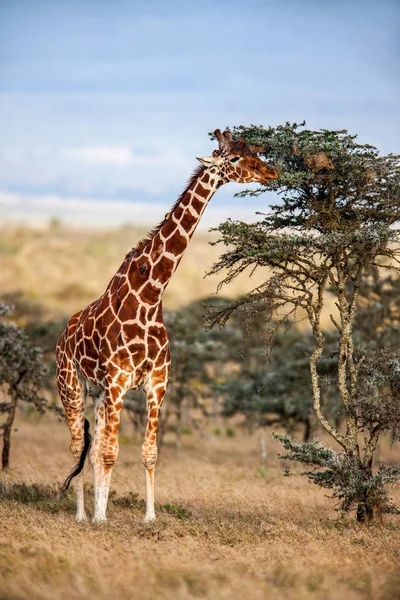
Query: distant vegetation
{"type": "Point", "coordinates": [60, 269]}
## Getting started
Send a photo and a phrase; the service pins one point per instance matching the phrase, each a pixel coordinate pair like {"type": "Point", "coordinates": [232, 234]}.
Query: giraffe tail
{"type": "Point", "coordinates": [87, 439]}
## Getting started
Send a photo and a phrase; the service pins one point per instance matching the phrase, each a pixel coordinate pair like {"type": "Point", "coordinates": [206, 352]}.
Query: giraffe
{"type": "Point", "coordinates": [119, 342]}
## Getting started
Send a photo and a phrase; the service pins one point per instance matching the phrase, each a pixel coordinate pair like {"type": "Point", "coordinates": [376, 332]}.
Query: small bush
{"type": "Point", "coordinates": [38, 495]}
{"type": "Point", "coordinates": [175, 510]}
{"type": "Point", "coordinates": [129, 500]}
{"type": "Point", "coordinates": [354, 486]}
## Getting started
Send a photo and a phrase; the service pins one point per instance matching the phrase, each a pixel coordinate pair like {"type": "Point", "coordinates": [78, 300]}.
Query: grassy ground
{"type": "Point", "coordinates": [224, 529]}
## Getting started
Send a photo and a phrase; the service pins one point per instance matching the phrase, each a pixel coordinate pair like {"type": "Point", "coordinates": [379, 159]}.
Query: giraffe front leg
{"type": "Point", "coordinates": [149, 459]}
{"type": "Point", "coordinates": [95, 454]}
{"type": "Point", "coordinates": [155, 396]}
{"type": "Point", "coordinates": [104, 449]}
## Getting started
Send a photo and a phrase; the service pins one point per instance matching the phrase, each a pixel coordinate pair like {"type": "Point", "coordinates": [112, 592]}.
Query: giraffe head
{"type": "Point", "coordinates": [236, 161]}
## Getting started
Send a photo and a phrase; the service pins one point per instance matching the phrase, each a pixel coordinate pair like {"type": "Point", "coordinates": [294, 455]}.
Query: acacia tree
{"type": "Point", "coordinates": [336, 221]}
{"type": "Point", "coordinates": [22, 375]}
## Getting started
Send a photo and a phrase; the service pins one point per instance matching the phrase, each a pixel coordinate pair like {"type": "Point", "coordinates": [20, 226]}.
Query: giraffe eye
{"type": "Point", "coordinates": [235, 159]}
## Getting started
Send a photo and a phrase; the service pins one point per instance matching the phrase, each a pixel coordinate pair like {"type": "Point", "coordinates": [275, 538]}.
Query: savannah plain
{"type": "Point", "coordinates": [226, 527]}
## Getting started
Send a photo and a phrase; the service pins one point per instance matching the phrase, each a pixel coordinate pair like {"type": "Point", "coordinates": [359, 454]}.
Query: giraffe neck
{"type": "Point", "coordinates": [159, 256]}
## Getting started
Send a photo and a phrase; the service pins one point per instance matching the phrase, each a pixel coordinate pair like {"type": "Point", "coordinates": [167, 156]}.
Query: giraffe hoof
{"type": "Point", "coordinates": [149, 518]}
{"type": "Point", "coordinates": [99, 520]}
{"type": "Point", "coordinates": [81, 518]}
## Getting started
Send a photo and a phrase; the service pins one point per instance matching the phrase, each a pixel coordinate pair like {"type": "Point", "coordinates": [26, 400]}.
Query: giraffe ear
{"type": "Point", "coordinates": [206, 161]}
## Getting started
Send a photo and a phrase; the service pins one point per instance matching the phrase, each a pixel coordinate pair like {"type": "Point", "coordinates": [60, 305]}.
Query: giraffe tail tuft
{"type": "Point", "coordinates": [87, 440]}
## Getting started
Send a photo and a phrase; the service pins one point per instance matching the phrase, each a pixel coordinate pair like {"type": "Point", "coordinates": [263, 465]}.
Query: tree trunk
{"type": "Point", "coordinates": [5, 457]}
{"type": "Point", "coordinates": [307, 430]}
{"type": "Point", "coordinates": [365, 512]}
{"type": "Point", "coordinates": [263, 450]}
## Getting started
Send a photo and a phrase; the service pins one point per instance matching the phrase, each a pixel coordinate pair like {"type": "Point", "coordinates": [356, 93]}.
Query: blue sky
{"type": "Point", "coordinates": [106, 102]}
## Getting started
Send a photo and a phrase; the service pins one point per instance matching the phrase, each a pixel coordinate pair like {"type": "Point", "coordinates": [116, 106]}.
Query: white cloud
{"type": "Point", "coordinates": [124, 156]}
{"type": "Point", "coordinates": [99, 155]}
{"type": "Point", "coordinates": [31, 209]}
{"type": "Point", "coordinates": [149, 167]}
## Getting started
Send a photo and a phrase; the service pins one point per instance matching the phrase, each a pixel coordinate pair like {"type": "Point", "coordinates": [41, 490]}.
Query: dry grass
{"type": "Point", "coordinates": [64, 269]}
{"type": "Point", "coordinates": [224, 529]}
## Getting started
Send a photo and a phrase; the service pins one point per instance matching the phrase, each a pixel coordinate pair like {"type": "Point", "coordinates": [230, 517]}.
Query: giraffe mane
{"type": "Point", "coordinates": [140, 246]}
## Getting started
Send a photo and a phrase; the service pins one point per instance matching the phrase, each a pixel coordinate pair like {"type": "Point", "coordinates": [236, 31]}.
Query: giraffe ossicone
{"type": "Point", "coordinates": [119, 342]}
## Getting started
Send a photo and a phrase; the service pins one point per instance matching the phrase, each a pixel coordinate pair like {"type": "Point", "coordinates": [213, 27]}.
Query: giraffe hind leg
{"type": "Point", "coordinates": [87, 438]}
{"type": "Point", "coordinates": [73, 399]}
{"type": "Point", "coordinates": [104, 450]}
